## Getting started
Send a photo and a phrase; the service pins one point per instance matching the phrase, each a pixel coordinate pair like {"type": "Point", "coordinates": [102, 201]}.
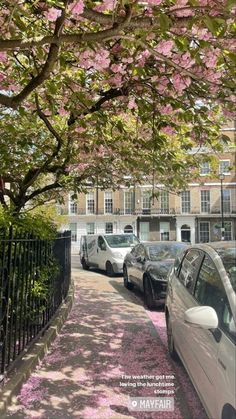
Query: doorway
{"type": "Point", "coordinates": [185, 233]}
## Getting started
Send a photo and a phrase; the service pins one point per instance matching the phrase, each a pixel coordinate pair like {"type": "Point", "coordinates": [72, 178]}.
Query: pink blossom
{"type": "Point", "coordinates": [117, 68]}
{"type": "Point", "coordinates": [154, 2]}
{"type": "Point", "coordinates": [3, 57]}
{"type": "Point", "coordinates": [143, 57]}
{"type": "Point", "coordinates": [80, 129]}
{"type": "Point", "coordinates": [106, 5]}
{"type": "Point", "coordinates": [167, 130]}
{"type": "Point", "coordinates": [184, 60]}
{"type": "Point", "coordinates": [180, 83]}
{"type": "Point", "coordinates": [115, 80]}
{"type": "Point", "coordinates": [52, 14]}
{"type": "Point", "coordinates": [181, 9]}
{"type": "Point", "coordinates": [101, 60]}
{"type": "Point", "coordinates": [132, 104]}
{"type": "Point", "coordinates": [165, 47]}
{"type": "Point", "coordinates": [77, 7]}
{"type": "Point", "coordinates": [166, 110]}
{"type": "Point", "coordinates": [62, 111]}
{"type": "Point", "coordinates": [210, 57]}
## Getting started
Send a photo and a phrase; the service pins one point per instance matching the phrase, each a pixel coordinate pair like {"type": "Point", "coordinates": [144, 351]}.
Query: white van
{"type": "Point", "coordinates": [106, 252]}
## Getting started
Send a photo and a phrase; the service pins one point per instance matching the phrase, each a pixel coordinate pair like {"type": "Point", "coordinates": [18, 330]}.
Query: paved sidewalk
{"type": "Point", "coordinates": [107, 335]}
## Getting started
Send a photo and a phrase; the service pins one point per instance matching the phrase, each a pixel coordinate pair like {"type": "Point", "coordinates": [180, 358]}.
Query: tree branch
{"type": "Point", "coordinates": [106, 96]}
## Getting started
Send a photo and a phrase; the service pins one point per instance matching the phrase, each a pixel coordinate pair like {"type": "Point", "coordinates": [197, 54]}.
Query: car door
{"type": "Point", "coordinates": [205, 344]}
{"type": "Point", "coordinates": [138, 263]}
{"type": "Point", "coordinates": [101, 255]}
{"type": "Point", "coordinates": [182, 299]}
{"type": "Point", "coordinates": [225, 382]}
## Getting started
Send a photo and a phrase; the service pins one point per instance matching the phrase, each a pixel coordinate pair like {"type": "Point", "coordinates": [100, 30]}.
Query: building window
{"type": "Point", "coordinates": [204, 232]}
{"type": "Point", "coordinates": [226, 200]}
{"type": "Point", "coordinates": [128, 229]}
{"type": "Point", "coordinates": [90, 228]}
{"type": "Point", "coordinates": [129, 202]}
{"type": "Point", "coordinates": [205, 168]}
{"type": "Point", "coordinates": [72, 205]}
{"type": "Point", "coordinates": [224, 167]}
{"type": "Point", "coordinates": [73, 229]}
{"type": "Point", "coordinates": [146, 202]}
{"type": "Point", "coordinates": [228, 230]}
{"type": "Point", "coordinates": [205, 201]}
{"type": "Point", "coordinates": [164, 230]}
{"type": "Point", "coordinates": [90, 203]}
{"type": "Point", "coordinates": [164, 202]}
{"type": "Point", "coordinates": [108, 203]}
{"type": "Point", "coordinates": [144, 232]}
{"type": "Point", "coordinates": [185, 202]}
{"type": "Point", "coordinates": [109, 228]}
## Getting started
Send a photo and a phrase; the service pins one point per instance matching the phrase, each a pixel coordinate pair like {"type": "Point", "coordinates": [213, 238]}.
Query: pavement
{"type": "Point", "coordinates": [110, 349]}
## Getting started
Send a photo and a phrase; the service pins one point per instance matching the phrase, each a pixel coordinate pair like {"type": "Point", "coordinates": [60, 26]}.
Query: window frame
{"type": "Point", "coordinates": [221, 170]}
{"type": "Point", "coordinates": [186, 202]}
{"type": "Point", "coordinates": [108, 202]}
{"type": "Point", "coordinates": [90, 202]}
{"type": "Point", "coordinates": [209, 231]}
{"type": "Point", "coordinates": [205, 202]}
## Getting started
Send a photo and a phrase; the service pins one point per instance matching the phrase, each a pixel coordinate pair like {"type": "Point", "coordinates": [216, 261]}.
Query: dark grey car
{"type": "Point", "coordinates": [147, 266]}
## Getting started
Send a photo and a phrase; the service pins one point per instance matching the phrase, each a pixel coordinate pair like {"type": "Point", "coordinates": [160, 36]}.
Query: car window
{"type": "Point", "coordinates": [209, 291]}
{"type": "Point", "coordinates": [190, 267]}
{"type": "Point", "coordinates": [101, 243]}
{"type": "Point", "coordinates": [140, 251]}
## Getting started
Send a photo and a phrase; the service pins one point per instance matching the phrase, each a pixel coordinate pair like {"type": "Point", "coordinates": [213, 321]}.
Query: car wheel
{"type": "Point", "coordinates": [109, 269]}
{"type": "Point", "coordinates": [148, 296]}
{"type": "Point", "coordinates": [84, 265]}
{"type": "Point", "coordinates": [170, 341]}
{"type": "Point", "coordinates": [127, 284]}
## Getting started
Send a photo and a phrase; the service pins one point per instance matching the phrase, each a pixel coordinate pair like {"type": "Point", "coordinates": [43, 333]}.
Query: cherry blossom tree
{"type": "Point", "coordinates": [104, 88]}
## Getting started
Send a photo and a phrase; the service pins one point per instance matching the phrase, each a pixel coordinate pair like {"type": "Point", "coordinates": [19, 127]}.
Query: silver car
{"type": "Point", "coordinates": [201, 322]}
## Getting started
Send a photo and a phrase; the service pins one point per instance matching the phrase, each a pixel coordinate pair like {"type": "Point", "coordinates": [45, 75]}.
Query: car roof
{"type": "Point", "coordinates": [217, 245]}
{"type": "Point", "coordinates": [150, 243]}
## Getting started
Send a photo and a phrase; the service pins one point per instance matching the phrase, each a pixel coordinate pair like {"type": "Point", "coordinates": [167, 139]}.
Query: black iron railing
{"type": "Point", "coordinates": [34, 280]}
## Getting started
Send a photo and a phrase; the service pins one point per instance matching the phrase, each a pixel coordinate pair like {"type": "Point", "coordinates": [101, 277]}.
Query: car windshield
{"type": "Point", "coordinates": [228, 257]}
{"type": "Point", "coordinates": [159, 252]}
{"type": "Point", "coordinates": [121, 240]}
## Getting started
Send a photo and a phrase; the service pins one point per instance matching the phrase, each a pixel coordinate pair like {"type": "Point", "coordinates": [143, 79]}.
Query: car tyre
{"type": "Point", "coordinates": [170, 341]}
{"type": "Point", "coordinates": [127, 284]}
{"type": "Point", "coordinates": [109, 269]}
{"type": "Point", "coordinates": [84, 265]}
{"type": "Point", "coordinates": [148, 295]}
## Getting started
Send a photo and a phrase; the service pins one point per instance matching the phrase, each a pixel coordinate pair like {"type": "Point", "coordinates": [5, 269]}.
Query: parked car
{"type": "Point", "coordinates": [146, 267]}
{"type": "Point", "coordinates": [201, 322]}
{"type": "Point", "coordinates": [106, 251]}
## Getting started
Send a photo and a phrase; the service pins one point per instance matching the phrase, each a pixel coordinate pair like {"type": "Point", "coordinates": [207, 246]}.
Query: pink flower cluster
{"type": "Point", "coordinates": [182, 9]}
{"type": "Point", "coordinates": [3, 57]}
{"type": "Point", "coordinates": [106, 5]}
{"type": "Point", "coordinates": [168, 130]}
{"type": "Point", "coordinates": [97, 60]}
{"type": "Point", "coordinates": [210, 57]}
{"type": "Point", "coordinates": [180, 83]}
{"type": "Point", "coordinates": [184, 60]}
{"type": "Point", "coordinates": [77, 7]}
{"type": "Point", "coordinates": [52, 14]}
{"type": "Point", "coordinates": [165, 47]}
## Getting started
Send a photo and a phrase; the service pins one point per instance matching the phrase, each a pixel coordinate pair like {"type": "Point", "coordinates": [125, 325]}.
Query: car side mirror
{"type": "Point", "coordinates": [201, 316]}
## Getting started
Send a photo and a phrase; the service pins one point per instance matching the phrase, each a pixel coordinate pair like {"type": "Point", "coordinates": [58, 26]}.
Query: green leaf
{"type": "Point", "coordinates": [211, 24]}
{"type": "Point", "coordinates": [164, 22]}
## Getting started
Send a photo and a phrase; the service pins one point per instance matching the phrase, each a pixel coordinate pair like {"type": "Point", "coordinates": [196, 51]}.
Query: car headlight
{"type": "Point", "coordinates": [118, 255]}
{"type": "Point", "coordinates": [158, 276]}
